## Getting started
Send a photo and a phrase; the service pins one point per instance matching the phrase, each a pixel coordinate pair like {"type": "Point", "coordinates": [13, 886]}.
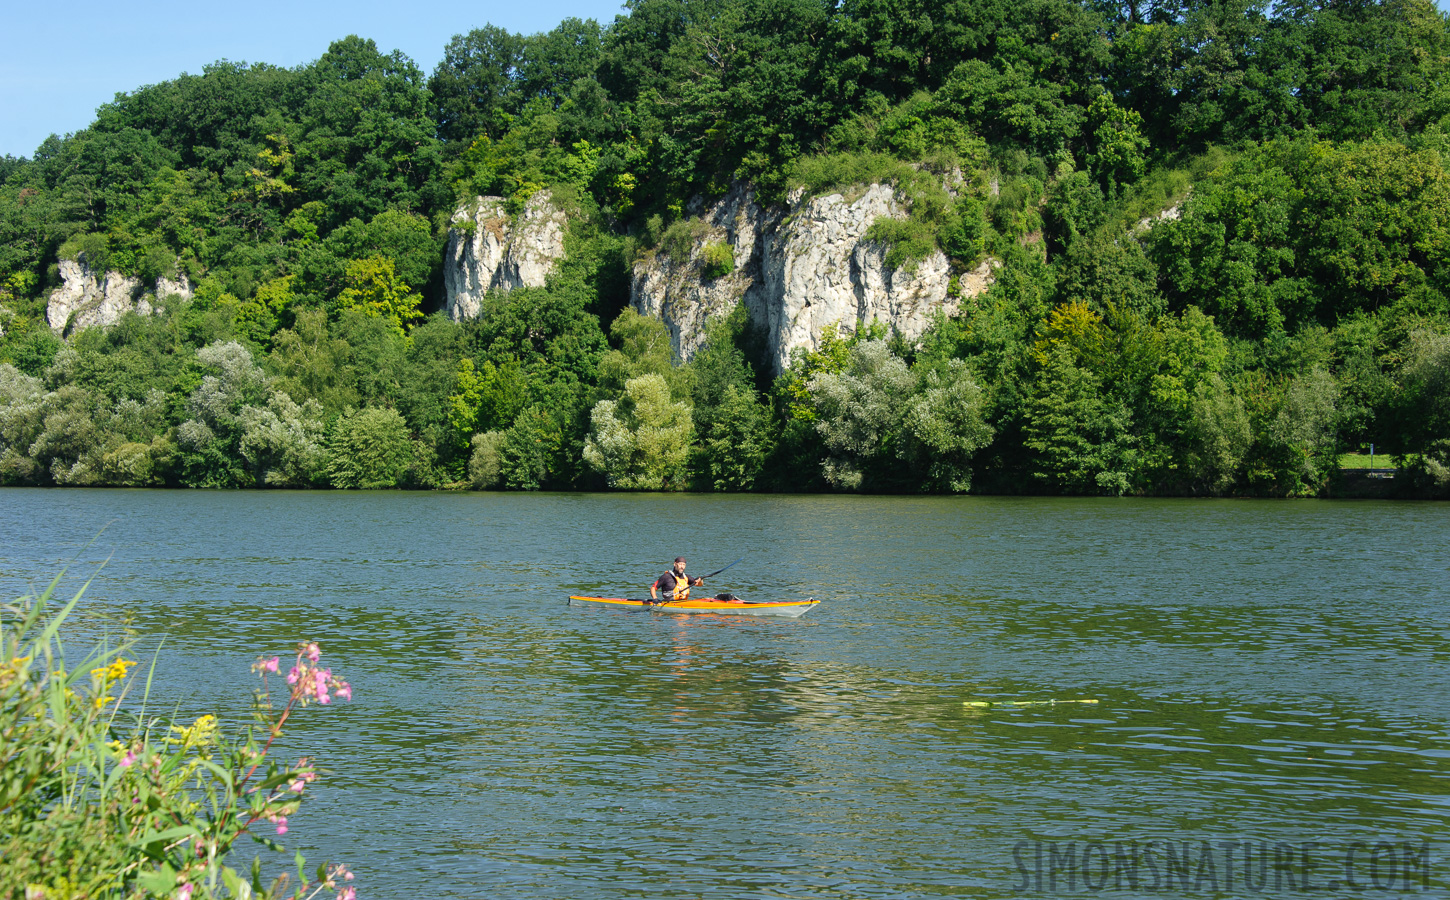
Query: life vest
{"type": "Point", "coordinates": [682, 585]}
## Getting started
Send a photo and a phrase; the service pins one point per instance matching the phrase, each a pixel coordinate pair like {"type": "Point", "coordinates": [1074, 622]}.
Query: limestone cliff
{"type": "Point", "coordinates": [86, 298]}
{"type": "Point", "coordinates": [801, 269]}
{"type": "Point", "coordinates": [490, 250]}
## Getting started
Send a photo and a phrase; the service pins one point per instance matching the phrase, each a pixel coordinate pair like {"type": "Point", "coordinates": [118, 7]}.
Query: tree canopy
{"type": "Point", "coordinates": [1220, 226]}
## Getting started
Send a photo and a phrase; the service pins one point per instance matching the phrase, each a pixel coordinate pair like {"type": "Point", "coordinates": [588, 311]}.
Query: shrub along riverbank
{"type": "Point", "coordinates": [1289, 304]}
{"type": "Point", "coordinates": [102, 797]}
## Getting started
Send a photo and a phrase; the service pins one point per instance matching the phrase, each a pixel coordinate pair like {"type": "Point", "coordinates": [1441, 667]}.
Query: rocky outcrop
{"type": "Point", "coordinates": [676, 289]}
{"type": "Point", "coordinates": [1171, 214]}
{"type": "Point", "coordinates": [181, 287]}
{"type": "Point", "coordinates": [86, 299]}
{"type": "Point", "coordinates": [801, 270]}
{"type": "Point", "coordinates": [489, 250]}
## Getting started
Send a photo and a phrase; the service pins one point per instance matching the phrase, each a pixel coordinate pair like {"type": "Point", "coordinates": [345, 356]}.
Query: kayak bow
{"type": "Point", "coordinates": [791, 608]}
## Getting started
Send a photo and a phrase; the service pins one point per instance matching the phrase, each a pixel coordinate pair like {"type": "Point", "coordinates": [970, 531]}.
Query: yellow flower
{"type": "Point", "coordinates": [12, 669]}
{"type": "Point", "coordinates": [114, 672]}
{"type": "Point", "coordinates": [201, 733]}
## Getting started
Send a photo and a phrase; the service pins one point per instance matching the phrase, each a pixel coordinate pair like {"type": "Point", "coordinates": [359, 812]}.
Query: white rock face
{"type": "Point", "coordinates": [1171, 214]}
{"type": "Point", "coordinates": [490, 251]}
{"type": "Point", "coordinates": [84, 300]}
{"type": "Point", "coordinates": [801, 270]}
{"type": "Point", "coordinates": [165, 287]}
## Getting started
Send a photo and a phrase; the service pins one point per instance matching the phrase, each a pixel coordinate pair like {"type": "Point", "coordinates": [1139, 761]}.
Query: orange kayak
{"type": "Point", "coordinates": [791, 608]}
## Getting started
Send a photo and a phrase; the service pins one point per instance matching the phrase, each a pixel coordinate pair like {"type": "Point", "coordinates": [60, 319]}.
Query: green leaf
{"type": "Point", "coordinates": [269, 843]}
{"type": "Point", "coordinates": [222, 774]}
{"type": "Point", "coordinates": [170, 834]}
{"type": "Point", "coordinates": [234, 884]}
{"type": "Point", "coordinates": [160, 882]}
{"type": "Point", "coordinates": [274, 780]}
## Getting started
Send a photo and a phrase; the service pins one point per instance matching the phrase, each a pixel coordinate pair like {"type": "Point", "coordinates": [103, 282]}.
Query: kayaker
{"type": "Point", "coordinates": [674, 584]}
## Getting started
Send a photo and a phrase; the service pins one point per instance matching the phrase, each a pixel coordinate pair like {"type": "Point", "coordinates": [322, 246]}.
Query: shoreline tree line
{"type": "Point", "coordinates": [1223, 230]}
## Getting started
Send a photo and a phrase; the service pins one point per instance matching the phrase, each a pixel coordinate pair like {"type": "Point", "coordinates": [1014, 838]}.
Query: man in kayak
{"type": "Point", "coordinates": [674, 584]}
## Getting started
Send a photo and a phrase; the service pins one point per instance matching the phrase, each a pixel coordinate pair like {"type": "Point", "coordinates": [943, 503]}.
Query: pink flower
{"type": "Point", "coordinates": [314, 653]}
{"type": "Point", "coordinates": [293, 675]}
{"type": "Point", "coordinates": [270, 665]}
{"type": "Point", "coordinates": [297, 786]}
{"type": "Point", "coordinates": [281, 824]}
{"type": "Point", "coordinates": [347, 893]}
{"type": "Point", "coordinates": [344, 690]}
{"type": "Point", "coordinates": [321, 688]}
{"type": "Point", "coordinates": [129, 758]}
{"type": "Point", "coordinates": [184, 892]}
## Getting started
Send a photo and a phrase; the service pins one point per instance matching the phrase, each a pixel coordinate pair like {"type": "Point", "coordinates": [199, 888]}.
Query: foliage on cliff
{"type": "Point", "coordinates": [1290, 305]}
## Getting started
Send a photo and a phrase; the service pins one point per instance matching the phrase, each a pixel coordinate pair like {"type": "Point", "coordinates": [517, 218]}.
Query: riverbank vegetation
{"type": "Point", "coordinates": [102, 797]}
{"type": "Point", "coordinates": [1222, 229]}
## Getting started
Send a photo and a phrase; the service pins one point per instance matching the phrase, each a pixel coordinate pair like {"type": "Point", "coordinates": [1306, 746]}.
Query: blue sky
{"type": "Point", "coordinates": [61, 62]}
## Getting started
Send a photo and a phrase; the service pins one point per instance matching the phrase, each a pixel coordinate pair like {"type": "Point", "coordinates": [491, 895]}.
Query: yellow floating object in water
{"type": "Point", "coordinates": [984, 704]}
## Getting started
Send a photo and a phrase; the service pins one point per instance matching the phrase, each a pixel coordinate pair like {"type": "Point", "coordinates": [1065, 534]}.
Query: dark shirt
{"type": "Point", "coordinates": [666, 582]}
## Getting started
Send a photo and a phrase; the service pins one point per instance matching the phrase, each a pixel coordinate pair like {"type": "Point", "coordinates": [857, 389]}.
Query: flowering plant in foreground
{"type": "Point", "coordinates": [99, 801]}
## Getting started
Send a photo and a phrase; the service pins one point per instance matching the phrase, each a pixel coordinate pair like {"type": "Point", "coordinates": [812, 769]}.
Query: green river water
{"type": "Point", "coordinates": [1272, 686]}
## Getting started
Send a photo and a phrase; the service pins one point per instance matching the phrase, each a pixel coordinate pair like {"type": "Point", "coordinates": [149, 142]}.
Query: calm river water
{"type": "Point", "coordinates": [1272, 686]}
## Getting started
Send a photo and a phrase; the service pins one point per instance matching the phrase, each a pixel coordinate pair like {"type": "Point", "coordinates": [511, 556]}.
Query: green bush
{"type": "Point", "coordinates": [529, 452]}
{"type": "Point", "coordinates": [907, 241]}
{"type": "Point", "coordinates": [370, 449]}
{"type": "Point", "coordinates": [641, 442]}
{"type": "Point", "coordinates": [964, 238]}
{"type": "Point", "coordinates": [652, 231]}
{"type": "Point", "coordinates": [1016, 211]}
{"type": "Point", "coordinates": [92, 249]}
{"type": "Point", "coordinates": [832, 172]}
{"type": "Point", "coordinates": [130, 465]}
{"type": "Point", "coordinates": [738, 441]}
{"type": "Point", "coordinates": [484, 465]}
{"type": "Point", "coordinates": [101, 799]}
{"type": "Point", "coordinates": [32, 350]}
{"type": "Point", "coordinates": [680, 238]}
{"type": "Point", "coordinates": [717, 260]}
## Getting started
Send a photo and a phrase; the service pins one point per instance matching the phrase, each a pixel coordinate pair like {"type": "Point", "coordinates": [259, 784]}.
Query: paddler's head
{"type": "Point", "coordinates": [679, 565]}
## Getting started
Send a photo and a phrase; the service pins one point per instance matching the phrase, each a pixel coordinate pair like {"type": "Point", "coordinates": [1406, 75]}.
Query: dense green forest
{"type": "Point", "coordinates": [1290, 307]}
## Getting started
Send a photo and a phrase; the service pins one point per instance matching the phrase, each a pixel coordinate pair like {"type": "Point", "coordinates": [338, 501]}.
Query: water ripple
{"type": "Point", "coordinates": [1274, 672]}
